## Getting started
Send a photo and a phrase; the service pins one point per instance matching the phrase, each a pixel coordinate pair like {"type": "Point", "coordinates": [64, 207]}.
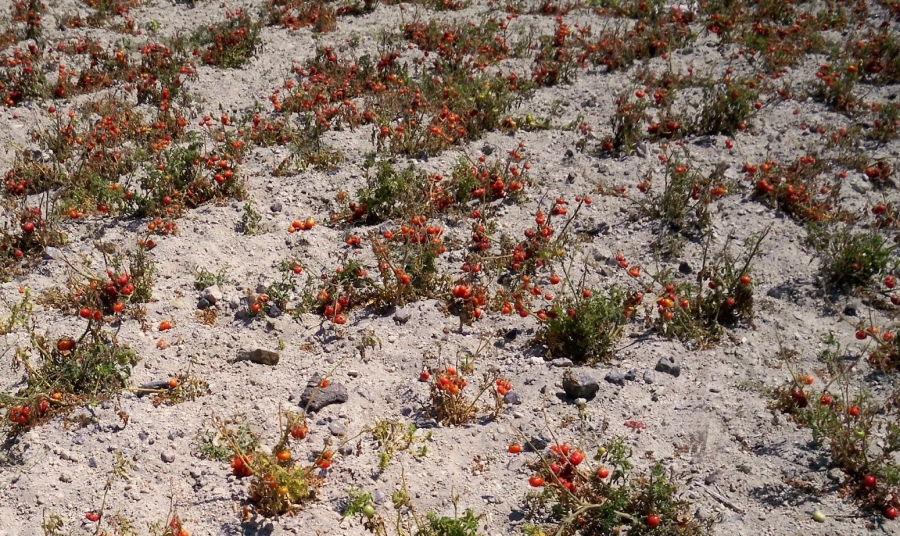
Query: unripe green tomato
{"type": "Point", "coordinates": [819, 516]}
{"type": "Point", "coordinates": [368, 511]}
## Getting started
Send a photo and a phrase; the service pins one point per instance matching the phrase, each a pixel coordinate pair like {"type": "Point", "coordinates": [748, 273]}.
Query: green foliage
{"type": "Point", "coordinates": [725, 107]}
{"type": "Point", "coordinates": [591, 333]}
{"type": "Point", "coordinates": [467, 525]}
{"type": "Point", "coordinates": [229, 44]}
{"type": "Point", "coordinates": [98, 366]}
{"type": "Point", "coordinates": [390, 193]}
{"type": "Point", "coordinates": [250, 219]}
{"type": "Point", "coordinates": [204, 278]}
{"type": "Point", "coordinates": [850, 258]}
{"type": "Point", "coordinates": [577, 501]}
{"type": "Point", "coordinates": [210, 446]}
{"type": "Point", "coordinates": [390, 437]}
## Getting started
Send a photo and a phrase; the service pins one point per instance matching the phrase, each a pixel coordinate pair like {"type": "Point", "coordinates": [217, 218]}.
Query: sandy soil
{"type": "Point", "coordinates": [710, 424]}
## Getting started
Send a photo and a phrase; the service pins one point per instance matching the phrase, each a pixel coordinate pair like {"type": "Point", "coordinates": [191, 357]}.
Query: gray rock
{"type": "Point", "coordinates": [402, 316]}
{"type": "Point", "coordinates": [212, 294]}
{"type": "Point", "coordinates": [536, 444]}
{"type": "Point", "coordinates": [631, 375]}
{"type": "Point", "coordinates": [615, 377]}
{"type": "Point", "coordinates": [776, 292]}
{"type": "Point", "coordinates": [259, 355]}
{"type": "Point", "coordinates": [426, 423]}
{"type": "Point", "coordinates": [65, 477]}
{"type": "Point", "coordinates": [641, 150]}
{"type": "Point", "coordinates": [149, 388]}
{"type": "Point", "coordinates": [713, 477]}
{"type": "Point", "coordinates": [648, 376]}
{"type": "Point", "coordinates": [685, 268]}
{"type": "Point", "coordinates": [167, 457]}
{"type": "Point", "coordinates": [378, 497]}
{"type": "Point", "coordinates": [51, 252]}
{"type": "Point", "coordinates": [274, 311]}
{"type": "Point", "coordinates": [337, 429]}
{"type": "Point", "coordinates": [580, 385]}
{"type": "Point", "coordinates": [66, 455]}
{"type": "Point", "coordinates": [511, 398]}
{"type": "Point", "coordinates": [314, 398]}
{"type": "Point", "coordinates": [562, 362]}
{"type": "Point", "coordinates": [835, 474]}
{"type": "Point", "coordinates": [668, 366]}
{"type": "Point", "coordinates": [276, 206]}
{"type": "Point", "coordinates": [203, 304]}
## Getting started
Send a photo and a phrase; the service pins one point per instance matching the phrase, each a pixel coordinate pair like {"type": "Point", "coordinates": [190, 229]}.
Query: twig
{"type": "Point", "coordinates": [721, 498]}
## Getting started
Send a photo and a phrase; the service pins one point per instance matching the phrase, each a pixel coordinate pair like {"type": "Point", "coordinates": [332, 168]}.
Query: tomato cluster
{"type": "Point", "coordinates": [563, 471]}
{"type": "Point", "coordinates": [449, 381]}
{"type": "Point", "coordinates": [21, 415]}
{"type": "Point", "coordinates": [503, 386]}
{"type": "Point", "coordinates": [240, 468]}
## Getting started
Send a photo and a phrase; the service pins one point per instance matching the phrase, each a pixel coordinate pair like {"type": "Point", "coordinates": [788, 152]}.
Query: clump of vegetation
{"type": "Point", "coordinates": [405, 519]}
{"type": "Point", "coordinates": [67, 373]}
{"type": "Point", "coordinates": [586, 328]}
{"type": "Point", "coordinates": [577, 497]}
{"type": "Point", "coordinates": [210, 445]}
{"type": "Point", "coordinates": [229, 44]}
{"type": "Point", "coordinates": [449, 399]}
{"type": "Point", "coordinates": [280, 484]}
{"type": "Point", "coordinates": [850, 258]}
{"type": "Point", "coordinates": [859, 432]}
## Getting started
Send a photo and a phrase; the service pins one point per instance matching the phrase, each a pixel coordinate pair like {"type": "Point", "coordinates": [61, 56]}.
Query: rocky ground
{"type": "Point", "coordinates": [704, 410]}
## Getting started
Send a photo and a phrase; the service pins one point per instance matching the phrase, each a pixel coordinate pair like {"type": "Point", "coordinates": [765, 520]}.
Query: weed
{"type": "Point", "coordinates": [68, 373]}
{"type": "Point", "coordinates": [585, 328]}
{"type": "Point", "coordinates": [229, 44]}
{"type": "Point", "coordinates": [361, 504]}
{"type": "Point", "coordinates": [282, 291]}
{"type": "Point", "coordinates": [725, 107]}
{"type": "Point", "coordinates": [860, 433]}
{"type": "Point", "coordinates": [609, 498]}
{"type": "Point", "coordinates": [204, 278]}
{"type": "Point", "coordinates": [250, 219]}
{"type": "Point", "coordinates": [19, 313]}
{"type": "Point", "coordinates": [391, 437]}
{"type": "Point", "coordinates": [683, 205]}
{"type": "Point", "coordinates": [210, 445]}
{"type": "Point", "coordinates": [850, 259]}
{"type": "Point", "coordinates": [389, 193]}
